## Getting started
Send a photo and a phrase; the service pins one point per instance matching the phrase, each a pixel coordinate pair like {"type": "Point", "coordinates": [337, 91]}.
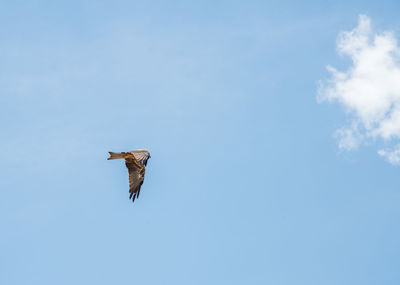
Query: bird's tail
{"type": "Point", "coordinates": [116, 155]}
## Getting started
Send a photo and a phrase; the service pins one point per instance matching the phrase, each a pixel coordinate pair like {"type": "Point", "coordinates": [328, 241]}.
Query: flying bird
{"type": "Point", "coordinates": [135, 161]}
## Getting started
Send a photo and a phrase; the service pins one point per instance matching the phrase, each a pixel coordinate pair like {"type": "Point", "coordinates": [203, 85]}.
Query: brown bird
{"type": "Point", "coordinates": [135, 161]}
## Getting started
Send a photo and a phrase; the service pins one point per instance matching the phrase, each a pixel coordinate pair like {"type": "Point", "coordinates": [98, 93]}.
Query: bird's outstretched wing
{"type": "Point", "coordinates": [141, 155]}
{"type": "Point", "coordinates": [136, 176]}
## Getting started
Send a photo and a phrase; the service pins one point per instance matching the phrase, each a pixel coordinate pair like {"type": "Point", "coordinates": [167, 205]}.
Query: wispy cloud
{"type": "Point", "coordinates": [392, 155]}
{"type": "Point", "coordinates": [369, 89]}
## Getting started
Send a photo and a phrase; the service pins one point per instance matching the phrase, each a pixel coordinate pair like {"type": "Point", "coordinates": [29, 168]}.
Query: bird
{"type": "Point", "coordinates": [136, 162]}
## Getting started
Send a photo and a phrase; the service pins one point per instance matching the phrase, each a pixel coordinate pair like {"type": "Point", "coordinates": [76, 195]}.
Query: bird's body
{"type": "Point", "coordinates": [135, 161]}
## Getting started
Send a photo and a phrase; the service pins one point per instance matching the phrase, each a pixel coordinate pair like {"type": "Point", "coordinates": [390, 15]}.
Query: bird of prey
{"type": "Point", "coordinates": [135, 161]}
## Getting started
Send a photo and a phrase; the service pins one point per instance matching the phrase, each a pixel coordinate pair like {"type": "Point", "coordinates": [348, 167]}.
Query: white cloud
{"type": "Point", "coordinates": [369, 89]}
{"type": "Point", "coordinates": [393, 156]}
{"type": "Point", "coordinates": [349, 138]}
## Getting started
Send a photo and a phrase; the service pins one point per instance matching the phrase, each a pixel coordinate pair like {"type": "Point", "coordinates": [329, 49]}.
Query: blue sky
{"type": "Point", "coordinates": [247, 183]}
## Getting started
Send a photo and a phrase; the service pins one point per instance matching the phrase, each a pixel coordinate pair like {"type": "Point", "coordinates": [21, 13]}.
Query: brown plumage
{"type": "Point", "coordinates": [135, 161]}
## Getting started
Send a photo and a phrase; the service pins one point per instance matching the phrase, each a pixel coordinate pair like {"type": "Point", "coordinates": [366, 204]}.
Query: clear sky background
{"type": "Point", "coordinates": [247, 183]}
